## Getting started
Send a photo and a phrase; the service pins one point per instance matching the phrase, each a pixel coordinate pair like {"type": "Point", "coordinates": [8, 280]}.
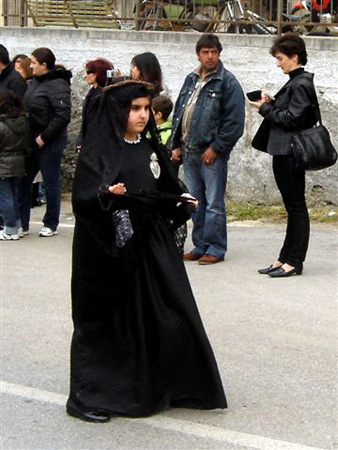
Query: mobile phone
{"type": "Point", "coordinates": [111, 73]}
{"type": "Point", "coordinates": [254, 96]}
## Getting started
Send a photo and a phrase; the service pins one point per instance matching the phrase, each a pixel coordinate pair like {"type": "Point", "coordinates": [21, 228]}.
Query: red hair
{"type": "Point", "coordinates": [100, 67]}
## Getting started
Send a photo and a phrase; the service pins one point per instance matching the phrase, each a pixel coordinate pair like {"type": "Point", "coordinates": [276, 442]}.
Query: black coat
{"type": "Point", "coordinates": [15, 145]}
{"type": "Point", "coordinates": [89, 111]}
{"type": "Point", "coordinates": [293, 108]}
{"type": "Point", "coordinates": [48, 103]}
{"type": "Point", "coordinates": [11, 79]}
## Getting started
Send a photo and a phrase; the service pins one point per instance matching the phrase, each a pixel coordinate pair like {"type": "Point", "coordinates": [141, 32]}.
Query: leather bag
{"type": "Point", "coordinates": [312, 148]}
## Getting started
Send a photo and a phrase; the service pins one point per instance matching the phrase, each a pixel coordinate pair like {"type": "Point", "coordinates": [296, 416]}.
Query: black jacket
{"type": "Point", "coordinates": [11, 79]}
{"type": "Point", "coordinates": [15, 145]}
{"type": "Point", "coordinates": [89, 111]}
{"type": "Point", "coordinates": [293, 108]}
{"type": "Point", "coordinates": [48, 103]}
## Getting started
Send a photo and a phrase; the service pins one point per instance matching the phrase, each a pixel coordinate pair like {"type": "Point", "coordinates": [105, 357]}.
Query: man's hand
{"type": "Point", "coordinates": [176, 155]}
{"type": "Point", "coordinates": [209, 156]}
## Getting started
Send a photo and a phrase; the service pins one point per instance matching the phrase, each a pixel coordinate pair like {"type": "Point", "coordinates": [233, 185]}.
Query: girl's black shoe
{"type": "Point", "coordinates": [95, 415]}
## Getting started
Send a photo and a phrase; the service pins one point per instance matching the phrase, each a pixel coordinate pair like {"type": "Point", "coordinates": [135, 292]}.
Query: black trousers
{"type": "Point", "coordinates": [291, 184]}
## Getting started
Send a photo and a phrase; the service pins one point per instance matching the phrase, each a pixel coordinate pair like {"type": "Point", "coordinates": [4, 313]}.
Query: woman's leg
{"type": "Point", "coordinates": [291, 184]}
{"type": "Point", "coordinates": [25, 188]}
{"type": "Point", "coordinates": [50, 158]}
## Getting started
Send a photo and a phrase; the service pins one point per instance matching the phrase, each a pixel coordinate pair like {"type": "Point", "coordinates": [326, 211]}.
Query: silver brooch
{"type": "Point", "coordinates": [154, 165]}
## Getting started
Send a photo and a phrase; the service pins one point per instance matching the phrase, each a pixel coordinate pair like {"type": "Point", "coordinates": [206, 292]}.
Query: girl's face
{"type": "Point", "coordinates": [134, 72]}
{"type": "Point", "coordinates": [138, 117]}
{"type": "Point", "coordinates": [286, 63]}
{"type": "Point", "coordinates": [38, 69]}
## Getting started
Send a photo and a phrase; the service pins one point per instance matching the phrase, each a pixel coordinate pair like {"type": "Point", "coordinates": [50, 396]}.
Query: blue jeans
{"type": "Point", "coordinates": [9, 206]}
{"type": "Point", "coordinates": [48, 160]}
{"type": "Point", "coordinates": [207, 183]}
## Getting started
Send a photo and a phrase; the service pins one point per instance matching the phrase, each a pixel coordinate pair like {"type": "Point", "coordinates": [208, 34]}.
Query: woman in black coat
{"type": "Point", "coordinates": [48, 104]}
{"type": "Point", "coordinates": [138, 345]}
{"type": "Point", "coordinates": [96, 77]}
{"type": "Point", "coordinates": [292, 109]}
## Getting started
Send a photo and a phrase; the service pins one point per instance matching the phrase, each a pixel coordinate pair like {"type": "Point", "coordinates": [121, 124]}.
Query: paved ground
{"type": "Point", "coordinates": [274, 340]}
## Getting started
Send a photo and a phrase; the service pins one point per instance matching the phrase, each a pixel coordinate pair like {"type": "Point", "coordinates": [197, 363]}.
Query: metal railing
{"type": "Point", "coordinates": [76, 13]}
{"type": "Point", "coordinates": [222, 16]}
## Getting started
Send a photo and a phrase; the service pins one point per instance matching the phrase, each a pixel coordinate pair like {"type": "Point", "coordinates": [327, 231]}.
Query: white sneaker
{"type": "Point", "coordinates": [22, 233]}
{"type": "Point", "coordinates": [8, 237]}
{"type": "Point", "coordinates": [47, 232]}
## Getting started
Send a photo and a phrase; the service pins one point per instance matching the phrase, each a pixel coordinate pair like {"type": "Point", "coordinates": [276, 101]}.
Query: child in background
{"type": "Point", "coordinates": [15, 144]}
{"type": "Point", "coordinates": [162, 107]}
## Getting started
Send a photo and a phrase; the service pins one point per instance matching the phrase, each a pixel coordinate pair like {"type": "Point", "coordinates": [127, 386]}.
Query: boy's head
{"type": "Point", "coordinates": [162, 107]}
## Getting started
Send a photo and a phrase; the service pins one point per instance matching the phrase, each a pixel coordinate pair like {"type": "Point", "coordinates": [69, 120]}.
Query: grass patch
{"type": "Point", "coordinates": [276, 214]}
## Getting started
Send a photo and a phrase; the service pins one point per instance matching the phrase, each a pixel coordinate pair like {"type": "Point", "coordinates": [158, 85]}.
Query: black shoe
{"type": "Point", "coordinates": [96, 415]}
{"type": "Point", "coordinates": [280, 273]}
{"type": "Point", "coordinates": [268, 270]}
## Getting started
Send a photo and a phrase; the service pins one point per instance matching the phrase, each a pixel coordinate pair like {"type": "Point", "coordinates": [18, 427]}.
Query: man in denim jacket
{"type": "Point", "coordinates": [208, 121]}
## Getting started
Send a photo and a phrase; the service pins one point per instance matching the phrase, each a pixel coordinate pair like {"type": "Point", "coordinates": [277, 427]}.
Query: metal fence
{"type": "Point", "coordinates": [316, 17]}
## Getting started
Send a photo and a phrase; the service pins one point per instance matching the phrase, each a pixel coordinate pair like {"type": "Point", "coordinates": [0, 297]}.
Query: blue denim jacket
{"type": "Point", "coordinates": [218, 117]}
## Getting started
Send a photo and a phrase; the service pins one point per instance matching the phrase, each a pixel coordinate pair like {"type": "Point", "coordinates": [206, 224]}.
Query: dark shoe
{"type": "Point", "coordinates": [281, 273]}
{"type": "Point", "coordinates": [96, 415]}
{"type": "Point", "coordinates": [268, 269]}
{"type": "Point", "coordinates": [209, 259]}
{"type": "Point", "coordinates": [191, 256]}
{"type": "Point", "coordinates": [36, 202]}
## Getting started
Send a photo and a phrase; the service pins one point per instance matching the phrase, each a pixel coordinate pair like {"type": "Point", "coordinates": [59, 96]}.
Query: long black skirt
{"type": "Point", "coordinates": [139, 345]}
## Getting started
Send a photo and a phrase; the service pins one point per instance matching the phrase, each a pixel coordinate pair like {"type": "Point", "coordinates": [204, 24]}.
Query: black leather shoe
{"type": "Point", "coordinates": [281, 273]}
{"type": "Point", "coordinates": [268, 270]}
{"type": "Point", "coordinates": [96, 415]}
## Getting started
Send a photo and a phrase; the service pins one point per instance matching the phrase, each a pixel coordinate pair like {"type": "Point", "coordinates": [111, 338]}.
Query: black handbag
{"type": "Point", "coordinates": [312, 148]}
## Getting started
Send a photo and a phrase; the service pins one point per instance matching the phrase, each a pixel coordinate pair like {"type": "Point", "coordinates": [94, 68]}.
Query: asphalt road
{"type": "Point", "coordinates": [275, 341]}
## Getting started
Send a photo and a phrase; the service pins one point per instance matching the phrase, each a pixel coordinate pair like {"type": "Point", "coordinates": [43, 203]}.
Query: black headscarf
{"type": "Point", "coordinates": [116, 103]}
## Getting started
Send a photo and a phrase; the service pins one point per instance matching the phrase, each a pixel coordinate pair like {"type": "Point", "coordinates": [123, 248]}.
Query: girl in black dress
{"type": "Point", "coordinates": [138, 345]}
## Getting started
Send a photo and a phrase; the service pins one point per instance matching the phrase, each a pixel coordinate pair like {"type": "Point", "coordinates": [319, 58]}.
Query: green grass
{"type": "Point", "coordinates": [276, 214]}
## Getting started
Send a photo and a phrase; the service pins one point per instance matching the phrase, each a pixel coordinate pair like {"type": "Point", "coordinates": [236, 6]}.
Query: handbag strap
{"type": "Point", "coordinates": [318, 113]}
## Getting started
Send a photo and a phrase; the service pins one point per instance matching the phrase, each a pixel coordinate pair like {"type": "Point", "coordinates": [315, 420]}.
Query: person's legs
{"type": "Point", "coordinates": [8, 205]}
{"type": "Point", "coordinates": [215, 229]}
{"type": "Point", "coordinates": [291, 185]}
{"type": "Point", "coordinates": [25, 188]}
{"type": "Point", "coordinates": [194, 182]}
{"type": "Point", "coordinates": [50, 158]}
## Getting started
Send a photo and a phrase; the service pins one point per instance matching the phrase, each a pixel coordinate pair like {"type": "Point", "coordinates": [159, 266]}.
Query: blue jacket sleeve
{"type": "Point", "coordinates": [232, 123]}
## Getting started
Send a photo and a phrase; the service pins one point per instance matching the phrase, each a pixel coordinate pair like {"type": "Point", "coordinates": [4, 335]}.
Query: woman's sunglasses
{"type": "Point", "coordinates": [88, 71]}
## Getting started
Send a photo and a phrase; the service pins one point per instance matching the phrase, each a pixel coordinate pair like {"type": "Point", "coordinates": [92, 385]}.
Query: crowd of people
{"type": "Point", "coordinates": [139, 345]}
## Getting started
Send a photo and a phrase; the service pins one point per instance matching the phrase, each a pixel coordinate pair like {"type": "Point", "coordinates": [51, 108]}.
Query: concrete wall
{"type": "Point", "coordinates": [250, 176]}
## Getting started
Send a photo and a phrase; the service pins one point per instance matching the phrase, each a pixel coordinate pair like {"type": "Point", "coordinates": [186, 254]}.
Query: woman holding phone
{"type": "Point", "coordinates": [293, 108]}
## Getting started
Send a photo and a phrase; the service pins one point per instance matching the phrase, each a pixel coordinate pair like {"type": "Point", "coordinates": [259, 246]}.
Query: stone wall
{"type": "Point", "coordinates": [250, 175]}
